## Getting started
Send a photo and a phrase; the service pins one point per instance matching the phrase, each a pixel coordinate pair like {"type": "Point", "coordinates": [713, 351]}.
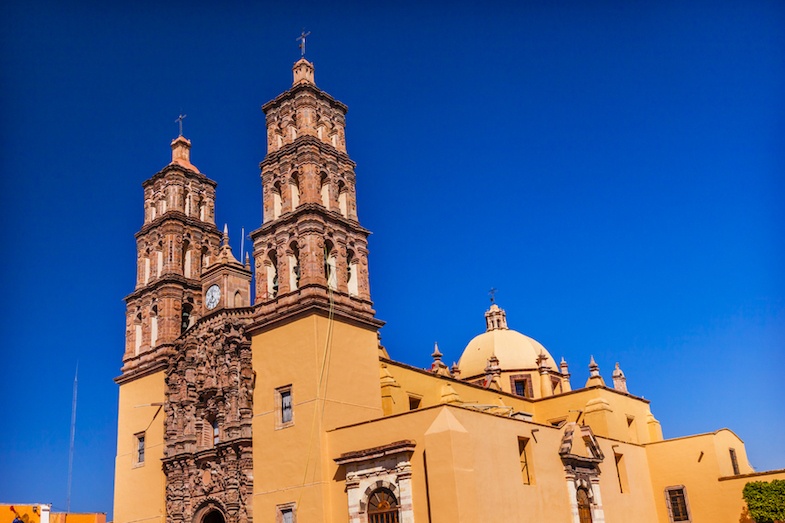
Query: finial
{"type": "Point", "coordinates": [492, 294]}
{"type": "Point", "coordinates": [301, 39]}
{"type": "Point", "coordinates": [619, 379]}
{"type": "Point", "coordinates": [179, 120]}
{"type": "Point", "coordinates": [226, 234]}
{"type": "Point", "coordinates": [594, 369]}
{"type": "Point", "coordinates": [436, 355]}
{"type": "Point", "coordinates": [247, 261]}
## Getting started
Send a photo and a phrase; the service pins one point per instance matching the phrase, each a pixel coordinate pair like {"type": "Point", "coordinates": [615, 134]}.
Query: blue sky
{"type": "Point", "coordinates": [615, 169]}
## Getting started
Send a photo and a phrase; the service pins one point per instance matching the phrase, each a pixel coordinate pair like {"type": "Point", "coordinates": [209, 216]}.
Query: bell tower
{"type": "Point", "coordinates": [311, 250]}
{"type": "Point", "coordinates": [176, 243]}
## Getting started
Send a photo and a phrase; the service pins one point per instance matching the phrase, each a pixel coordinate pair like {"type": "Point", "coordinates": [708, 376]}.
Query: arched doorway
{"type": "Point", "coordinates": [213, 516]}
{"type": "Point", "coordinates": [584, 506]}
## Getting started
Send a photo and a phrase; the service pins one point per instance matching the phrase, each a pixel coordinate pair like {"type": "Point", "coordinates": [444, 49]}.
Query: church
{"type": "Point", "coordinates": [257, 390]}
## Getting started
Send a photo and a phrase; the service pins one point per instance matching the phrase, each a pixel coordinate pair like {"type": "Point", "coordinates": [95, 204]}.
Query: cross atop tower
{"type": "Point", "coordinates": [179, 120]}
{"type": "Point", "coordinates": [301, 39]}
{"type": "Point", "coordinates": [492, 294]}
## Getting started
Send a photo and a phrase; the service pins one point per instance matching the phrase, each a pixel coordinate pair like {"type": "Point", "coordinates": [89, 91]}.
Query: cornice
{"type": "Point", "coordinates": [167, 279]}
{"type": "Point", "coordinates": [295, 89]}
{"type": "Point", "coordinates": [158, 361]}
{"type": "Point", "coordinates": [177, 216]}
{"type": "Point", "coordinates": [305, 140]}
{"type": "Point", "coordinates": [188, 173]}
{"type": "Point", "coordinates": [306, 211]}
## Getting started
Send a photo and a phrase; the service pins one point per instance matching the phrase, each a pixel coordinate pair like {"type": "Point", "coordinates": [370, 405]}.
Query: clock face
{"type": "Point", "coordinates": [212, 296]}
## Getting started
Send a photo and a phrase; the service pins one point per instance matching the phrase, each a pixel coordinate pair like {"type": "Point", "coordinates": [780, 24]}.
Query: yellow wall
{"type": "Point", "coordinates": [292, 464]}
{"type": "Point", "coordinates": [140, 489]}
{"type": "Point", "coordinates": [679, 462]}
{"type": "Point", "coordinates": [472, 457]}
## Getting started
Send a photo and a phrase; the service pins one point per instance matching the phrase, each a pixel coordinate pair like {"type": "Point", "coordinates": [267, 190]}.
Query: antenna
{"type": "Point", "coordinates": [71, 446]}
{"type": "Point", "coordinates": [242, 243]}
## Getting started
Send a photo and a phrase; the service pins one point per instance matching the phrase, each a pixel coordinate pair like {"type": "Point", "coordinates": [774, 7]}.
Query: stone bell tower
{"type": "Point", "coordinates": [311, 249]}
{"type": "Point", "coordinates": [177, 241]}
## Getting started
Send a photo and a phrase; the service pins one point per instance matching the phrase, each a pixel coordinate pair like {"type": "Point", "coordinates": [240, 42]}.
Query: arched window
{"type": "Point", "coordinates": [205, 258]}
{"type": "Point", "coordinates": [186, 317]}
{"type": "Point", "coordinates": [325, 190]}
{"type": "Point", "coordinates": [342, 199]}
{"type": "Point", "coordinates": [147, 268]}
{"type": "Point", "coordinates": [272, 275]}
{"type": "Point", "coordinates": [294, 187]}
{"type": "Point", "coordinates": [382, 507]}
{"type": "Point", "coordinates": [277, 202]}
{"type": "Point", "coordinates": [137, 333]}
{"type": "Point", "coordinates": [330, 272]}
{"type": "Point", "coordinates": [159, 261]}
{"type": "Point", "coordinates": [584, 506]}
{"type": "Point", "coordinates": [186, 258]}
{"type": "Point", "coordinates": [153, 326]}
{"type": "Point", "coordinates": [238, 299]}
{"type": "Point", "coordinates": [351, 274]}
{"type": "Point", "coordinates": [294, 267]}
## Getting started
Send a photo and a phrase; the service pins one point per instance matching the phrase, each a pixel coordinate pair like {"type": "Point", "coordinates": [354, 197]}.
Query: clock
{"type": "Point", "coordinates": [212, 297]}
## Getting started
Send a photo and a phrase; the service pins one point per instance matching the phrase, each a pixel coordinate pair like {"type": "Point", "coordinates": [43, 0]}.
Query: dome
{"type": "Point", "coordinates": [513, 349]}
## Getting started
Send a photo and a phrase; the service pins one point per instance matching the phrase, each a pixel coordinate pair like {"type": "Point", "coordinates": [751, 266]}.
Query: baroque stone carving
{"type": "Point", "coordinates": [209, 401]}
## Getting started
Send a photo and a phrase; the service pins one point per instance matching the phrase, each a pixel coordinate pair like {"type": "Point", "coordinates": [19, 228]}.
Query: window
{"type": "Point", "coordinates": [216, 437]}
{"type": "Point", "coordinates": [382, 507]}
{"type": "Point", "coordinates": [734, 462]}
{"type": "Point", "coordinates": [285, 513]}
{"type": "Point", "coordinates": [524, 450]}
{"type": "Point", "coordinates": [676, 498]}
{"type": "Point", "coordinates": [621, 472]}
{"type": "Point", "coordinates": [285, 407]}
{"type": "Point", "coordinates": [414, 402]}
{"type": "Point", "coordinates": [139, 448]}
{"type": "Point", "coordinates": [522, 385]}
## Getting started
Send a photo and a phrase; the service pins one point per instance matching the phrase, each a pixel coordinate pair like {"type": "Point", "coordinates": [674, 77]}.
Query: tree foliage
{"type": "Point", "coordinates": [766, 501]}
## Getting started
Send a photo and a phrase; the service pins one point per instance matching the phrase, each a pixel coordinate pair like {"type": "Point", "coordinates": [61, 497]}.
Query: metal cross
{"type": "Point", "coordinates": [301, 39]}
{"type": "Point", "coordinates": [180, 121]}
{"type": "Point", "coordinates": [493, 292]}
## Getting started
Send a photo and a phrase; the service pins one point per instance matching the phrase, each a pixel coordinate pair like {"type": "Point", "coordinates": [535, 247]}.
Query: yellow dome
{"type": "Point", "coordinates": [513, 350]}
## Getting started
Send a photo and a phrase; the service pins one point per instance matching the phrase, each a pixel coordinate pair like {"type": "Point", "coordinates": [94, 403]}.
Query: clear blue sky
{"type": "Point", "coordinates": [615, 169]}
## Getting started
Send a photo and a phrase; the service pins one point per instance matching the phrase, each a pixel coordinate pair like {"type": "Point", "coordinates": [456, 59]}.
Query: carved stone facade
{"type": "Point", "coordinates": [581, 455]}
{"type": "Point", "coordinates": [209, 408]}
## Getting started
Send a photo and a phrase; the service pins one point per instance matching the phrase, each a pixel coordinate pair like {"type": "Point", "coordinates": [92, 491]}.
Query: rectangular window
{"type": "Point", "coordinates": [523, 452]}
{"type": "Point", "coordinates": [734, 462]}
{"type": "Point", "coordinates": [285, 407]}
{"type": "Point", "coordinates": [677, 503]}
{"type": "Point", "coordinates": [139, 448]}
{"type": "Point", "coordinates": [521, 385]}
{"type": "Point", "coordinates": [285, 513]}
{"type": "Point", "coordinates": [621, 472]}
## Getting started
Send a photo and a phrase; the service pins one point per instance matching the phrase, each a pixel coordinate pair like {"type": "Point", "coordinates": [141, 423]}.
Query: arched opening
{"type": "Point", "coordinates": [294, 267]}
{"type": "Point", "coordinates": [584, 506]}
{"type": "Point", "coordinates": [324, 190]}
{"type": "Point", "coordinates": [137, 333]}
{"type": "Point", "coordinates": [382, 507]}
{"type": "Point", "coordinates": [205, 258]}
{"type": "Point", "coordinates": [214, 516]}
{"type": "Point", "coordinates": [330, 272]}
{"type": "Point", "coordinates": [272, 275]}
{"type": "Point", "coordinates": [277, 201]}
{"type": "Point", "coordinates": [351, 274]}
{"type": "Point", "coordinates": [153, 326]}
{"type": "Point", "coordinates": [294, 187]}
{"type": "Point", "coordinates": [342, 199]}
{"type": "Point", "coordinates": [238, 300]}
{"type": "Point", "coordinates": [186, 317]}
{"type": "Point", "coordinates": [186, 257]}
